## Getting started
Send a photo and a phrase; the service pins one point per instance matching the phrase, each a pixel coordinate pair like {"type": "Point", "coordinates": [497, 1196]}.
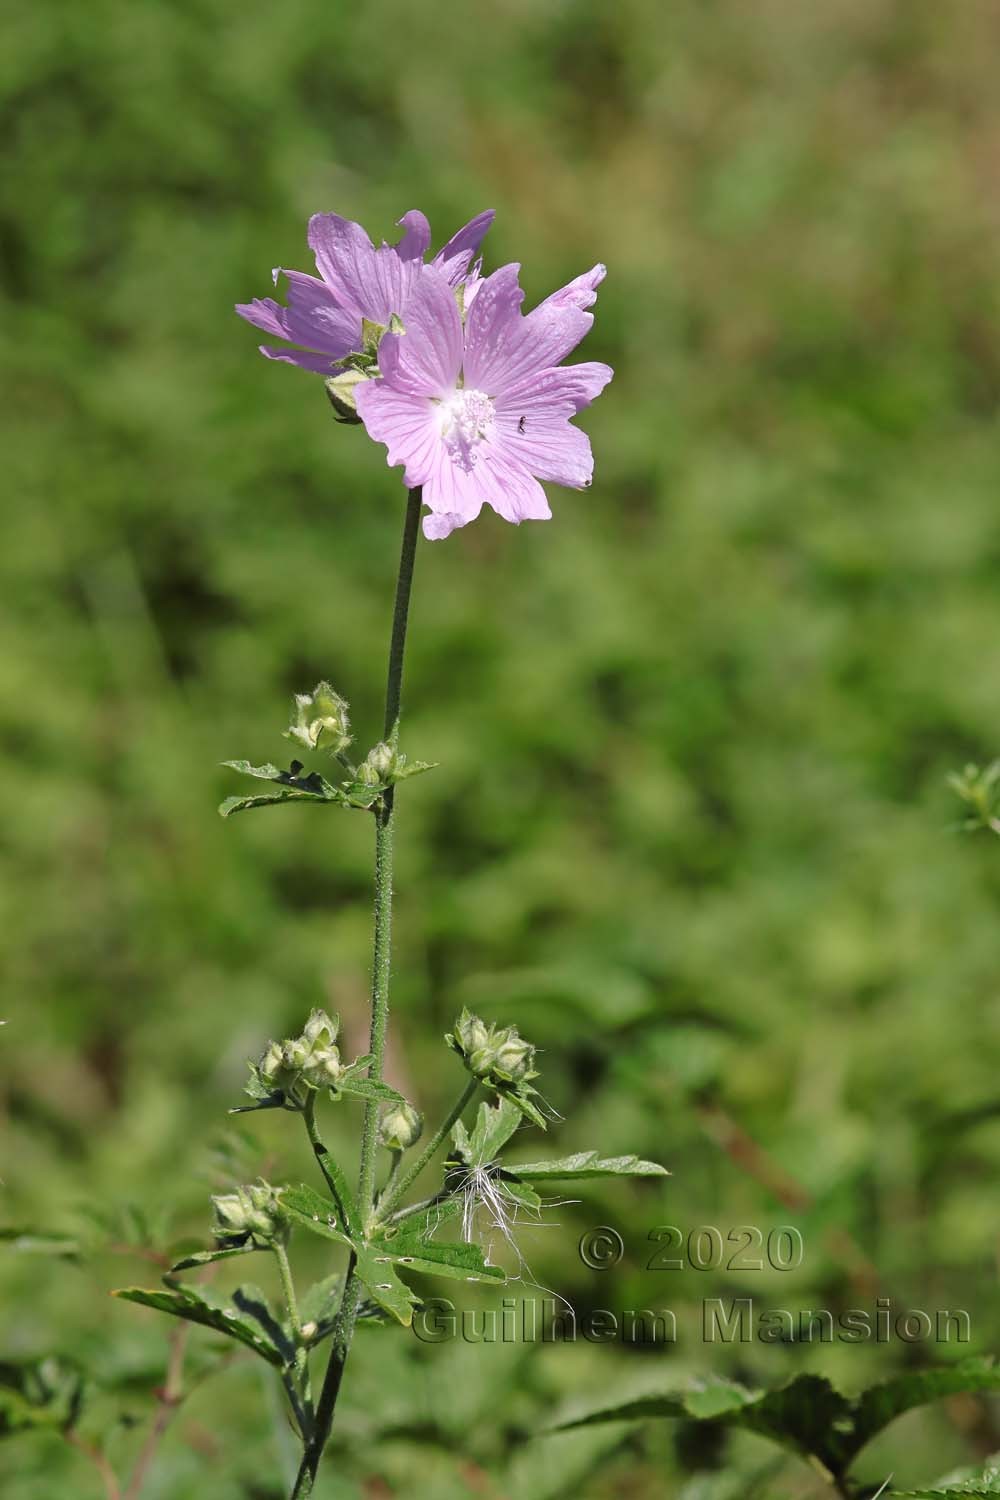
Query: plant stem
{"type": "Point", "coordinates": [395, 1191]}
{"type": "Point", "coordinates": [288, 1288]}
{"type": "Point", "coordinates": [381, 965]}
{"type": "Point", "coordinates": [169, 1399]}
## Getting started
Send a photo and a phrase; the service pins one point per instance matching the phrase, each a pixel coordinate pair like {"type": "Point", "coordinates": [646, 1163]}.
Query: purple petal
{"type": "Point", "coordinates": [582, 292]}
{"type": "Point", "coordinates": [568, 389]}
{"type": "Point", "coordinates": [503, 349]}
{"type": "Point", "coordinates": [439, 524]}
{"type": "Point", "coordinates": [264, 313]}
{"type": "Point", "coordinates": [456, 494]}
{"type": "Point", "coordinates": [405, 424]}
{"type": "Point", "coordinates": [312, 317]}
{"type": "Point", "coordinates": [547, 446]}
{"type": "Point", "coordinates": [320, 364]}
{"type": "Point", "coordinates": [373, 283]}
{"type": "Point", "coordinates": [456, 257]}
{"type": "Point", "coordinates": [426, 359]}
{"type": "Point", "coordinates": [417, 237]}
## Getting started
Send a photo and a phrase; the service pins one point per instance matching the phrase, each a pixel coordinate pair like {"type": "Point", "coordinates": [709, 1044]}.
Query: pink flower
{"type": "Point", "coordinates": [358, 281]}
{"type": "Point", "coordinates": [479, 412]}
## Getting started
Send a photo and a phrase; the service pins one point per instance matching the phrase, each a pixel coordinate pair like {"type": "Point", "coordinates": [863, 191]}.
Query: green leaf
{"type": "Point", "coordinates": [208, 1257]}
{"type": "Point", "coordinates": [384, 1286]}
{"type": "Point", "coordinates": [807, 1415]}
{"type": "Point", "coordinates": [520, 1193]}
{"type": "Point", "coordinates": [263, 773]}
{"type": "Point", "coordinates": [313, 1212]}
{"type": "Point", "coordinates": [976, 1482]}
{"type": "Point", "coordinates": [587, 1164]}
{"type": "Point", "coordinates": [40, 1242]}
{"type": "Point", "coordinates": [523, 1100]}
{"type": "Point", "coordinates": [295, 788]}
{"type": "Point", "coordinates": [459, 1261]}
{"type": "Point", "coordinates": [881, 1404]}
{"type": "Point", "coordinates": [244, 804]}
{"type": "Point", "coordinates": [405, 768]}
{"type": "Point", "coordinates": [428, 1220]}
{"type": "Point", "coordinates": [368, 1088]}
{"type": "Point", "coordinates": [495, 1124]}
{"type": "Point", "coordinates": [189, 1303]}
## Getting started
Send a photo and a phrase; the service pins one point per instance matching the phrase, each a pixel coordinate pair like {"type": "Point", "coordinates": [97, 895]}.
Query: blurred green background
{"type": "Point", "coordinates": [691, 831]}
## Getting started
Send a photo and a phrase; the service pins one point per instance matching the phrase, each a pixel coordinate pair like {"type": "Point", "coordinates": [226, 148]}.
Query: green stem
{"type": "Point", "coordinates": [288, 1288]}
{"type": "Point", "coordinates": [381, 963]}
{"type": "Point", "coordinates": [396, 1190]}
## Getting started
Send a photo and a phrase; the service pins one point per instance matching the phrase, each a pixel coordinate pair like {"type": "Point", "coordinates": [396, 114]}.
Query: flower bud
{"type": "Point", "coordinates": [400, 1127]}
{"type": "Point", "coordinates": [323, 1068]}
{"type": "Point", "coordinates": [382, 760]}
{"type": "Point", "coordinates": [340, 390]}
{"type": "Point", "coordinates": [320, 1029]}
{"type": "Point", "coordinates": [231, 1213]}
{"type": "Point", "coordinates": [295, 1053]}
{"type": "Point", "coordinates": [481, 1061]}
{"type": "Point", "coordinates": [321, 720]}
{"type": "Point", "coordinates": [271, 1062]}
{"type": "Point", "coordinates": [513, 1057]}
{"type": "Point", "coordinates": [470, 1032]}
{"type": "Point", "coordinates": [252, 1211]}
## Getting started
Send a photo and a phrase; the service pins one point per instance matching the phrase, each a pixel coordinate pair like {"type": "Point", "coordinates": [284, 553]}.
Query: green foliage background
{"type": "Point", "coordinates": [690, 831]}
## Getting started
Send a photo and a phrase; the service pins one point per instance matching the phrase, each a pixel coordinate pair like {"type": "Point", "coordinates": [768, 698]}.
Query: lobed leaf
{"type": "Point", "coordinates": [495, 1124]}
{"type": "Point", "coordinates": [208, 1257]}
{"type": "Point", "coordinates": [379, 1279]}
{"type": "Point", "coordinates": [312, 1211]}
{"type": "Point", "coordinates": [189, 1303]}
{"type": "Point", "coordinates": [587, 1164]}
{"type": "Point", "coordinates": [460, 1261]}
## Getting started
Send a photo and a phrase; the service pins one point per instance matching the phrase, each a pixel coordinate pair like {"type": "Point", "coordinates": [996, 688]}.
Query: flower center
{"type": "Point", "coordinates": [465, 418]}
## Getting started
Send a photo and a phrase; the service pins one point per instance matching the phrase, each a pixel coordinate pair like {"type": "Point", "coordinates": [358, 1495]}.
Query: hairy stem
{"type": "Point", "coordinates": [381, 965]}
{"type": "Point", "coordinates": [394, 1191]}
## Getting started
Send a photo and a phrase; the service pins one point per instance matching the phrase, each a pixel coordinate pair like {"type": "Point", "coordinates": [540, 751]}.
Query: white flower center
{"type": "Point", "coordinates": [465, 418]}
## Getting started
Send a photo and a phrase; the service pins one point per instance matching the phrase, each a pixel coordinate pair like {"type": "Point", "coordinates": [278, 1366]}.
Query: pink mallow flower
{"type": "Point", "coordinates": [479, 412]}
{"type": "Point", "coordinates": [357, 281]}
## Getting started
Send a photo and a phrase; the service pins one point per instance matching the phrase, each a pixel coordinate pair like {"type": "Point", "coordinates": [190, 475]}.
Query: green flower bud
{"type": "Point", "coordinates": [480, 1062]}
{"type": "Point", "coordinates": [321, 720]}
{"type": "Point", "coordinates": [368, 775]}
{"type": "Point", "coordinates": [382, 760]}
{"type": "Point", "coordinates": [340, 390]}
{"type": "Point", "coordinates": [400, 1127]}
{"type": "Point", "coordinates": [323, 1068]}
{"type": "Point", "coordinates": [252, 1211]}
{"type": "Point", "coordinates": [295, 1053]}
{"type": "Point", "coordinates": [231, 1213]}
{"type": "Point", "coordinates": [321, 1029]}
{"type": "Point", "coordinates": [470, 1032]}
{"type": "Point", "coordinates": [513, 1057]}
{"type": "Point", "coordinates": [271, 1062]}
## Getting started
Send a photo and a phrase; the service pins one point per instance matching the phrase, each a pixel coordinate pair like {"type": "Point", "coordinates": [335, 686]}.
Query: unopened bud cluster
{"type": "Point", "coordinates": [321, 720]}
{"type": "Point", "coordinates": [496, 1054]}
{"type": "Point", "coordinates": [400, 1127]}
{"type": "Point", "coordinates": [311, 1060]}
{"type": "Point", "coordinates": [250, 1213]}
